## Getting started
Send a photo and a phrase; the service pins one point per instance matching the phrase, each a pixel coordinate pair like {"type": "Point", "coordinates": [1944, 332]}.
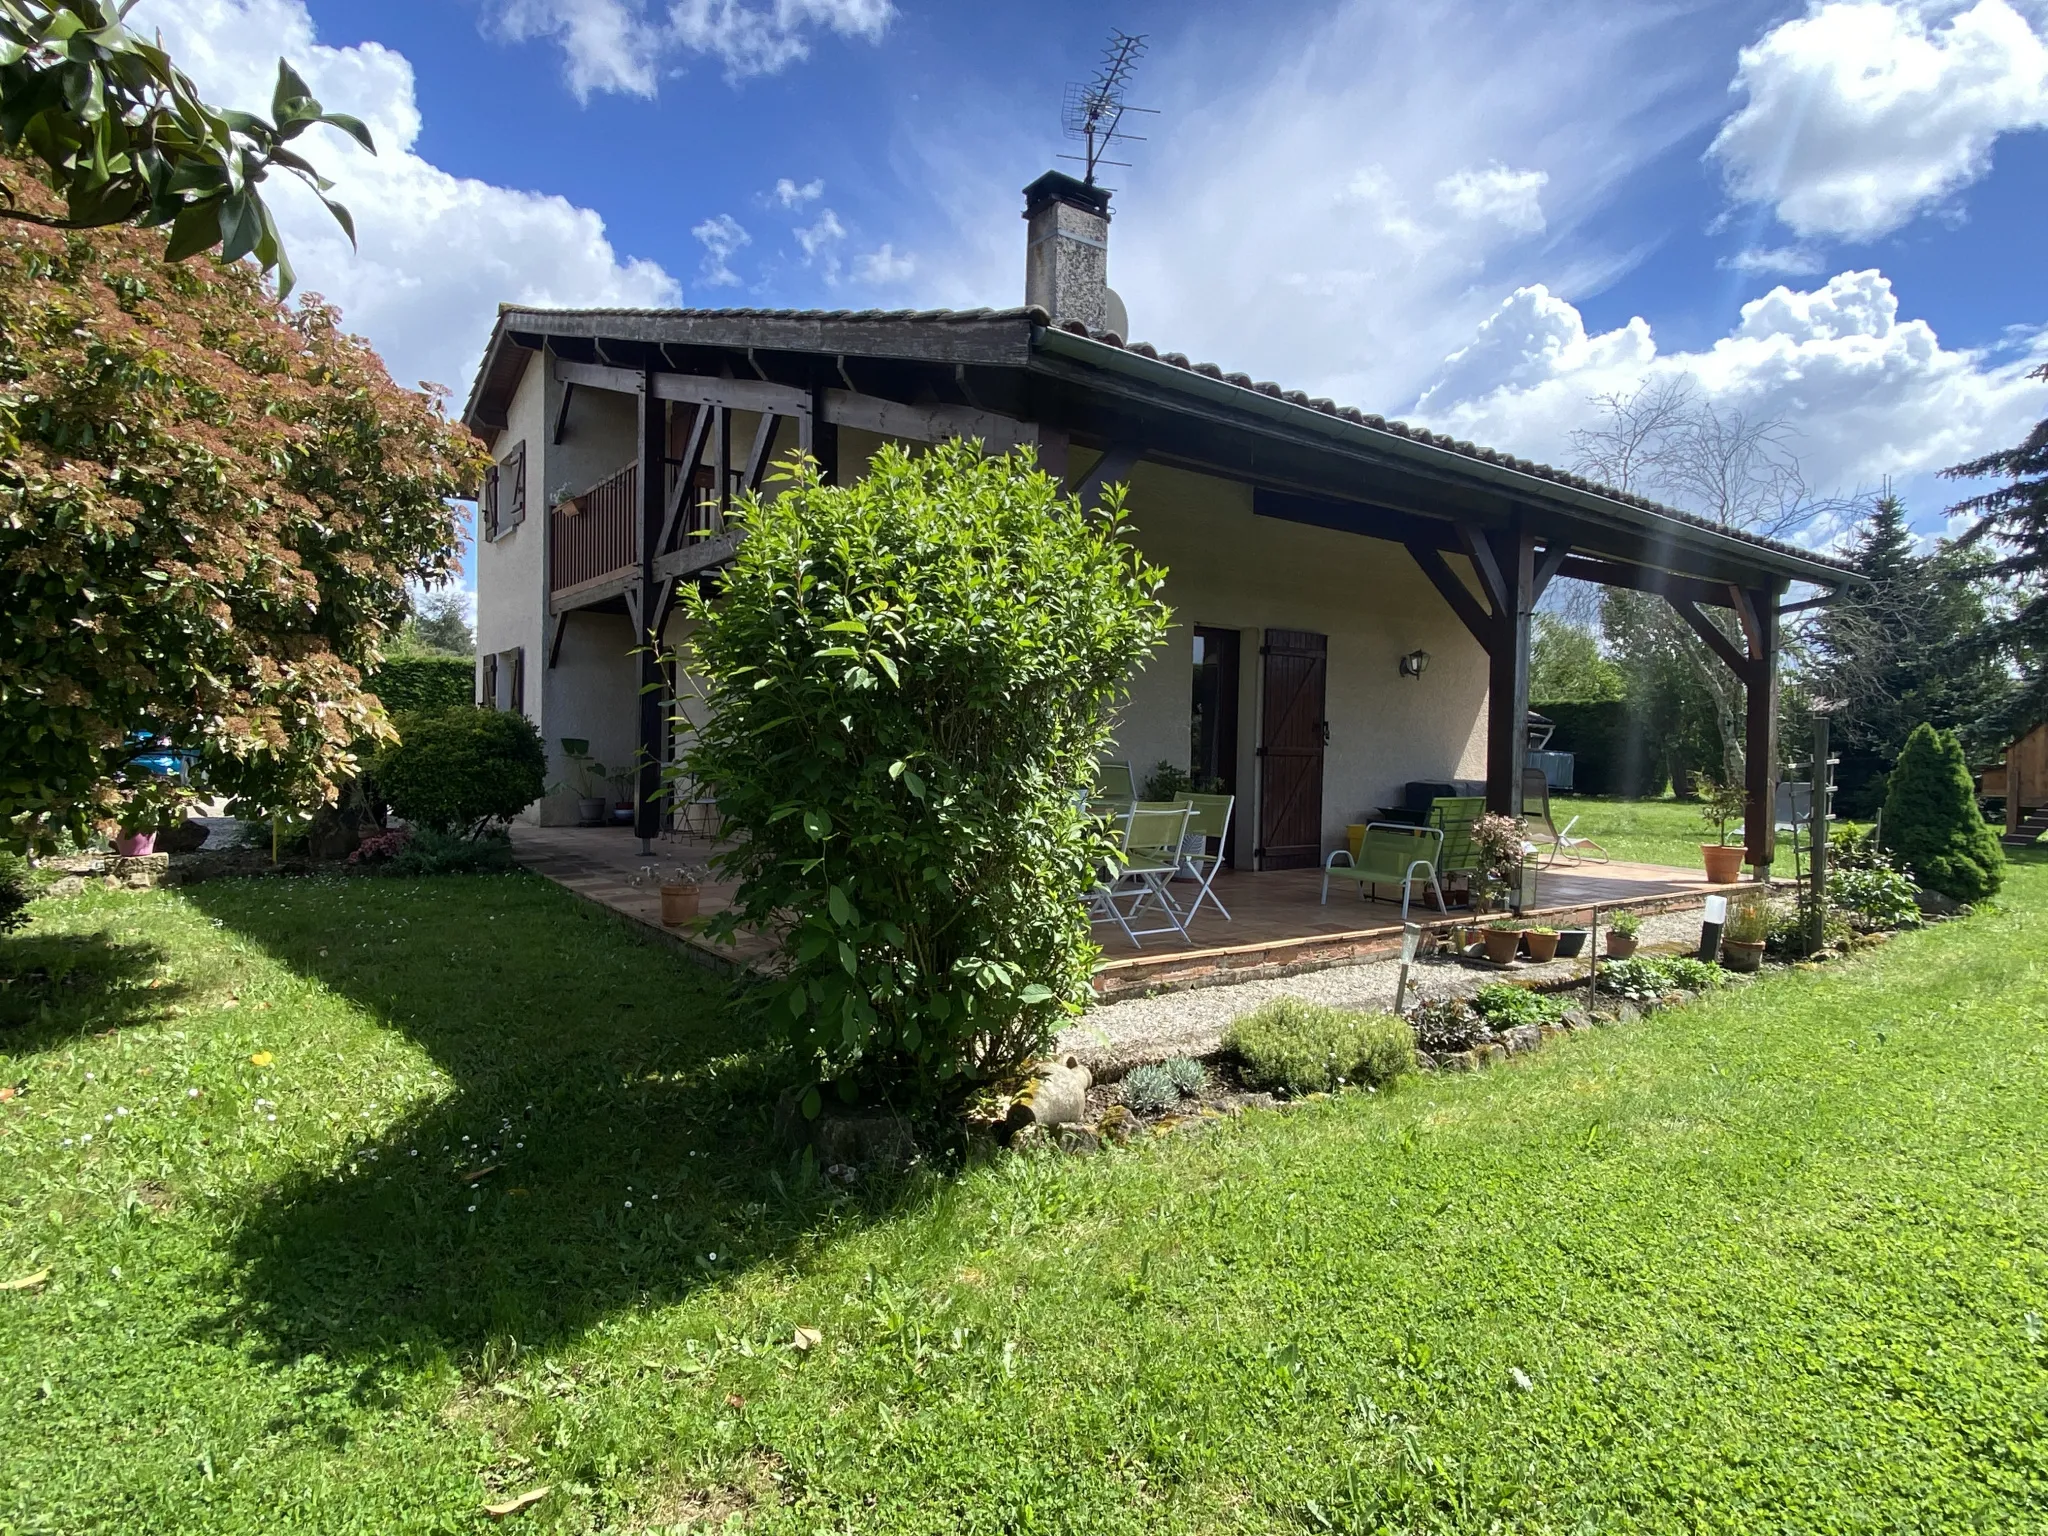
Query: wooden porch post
{"type": "Point", "coordinates": [646, 608]}
{"type": "Point", "coordinates": [1759, 615]}
{"type": "Point", "coordinates": [1507, 673]}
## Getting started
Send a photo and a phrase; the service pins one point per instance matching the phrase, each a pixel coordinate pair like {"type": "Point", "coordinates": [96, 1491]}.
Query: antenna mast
{"type": "Point", "coordinates": [1093, 114]}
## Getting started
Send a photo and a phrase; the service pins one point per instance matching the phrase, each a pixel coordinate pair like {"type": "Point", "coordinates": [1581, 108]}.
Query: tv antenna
{"type": "Point", "coordinates": [1093, 114]}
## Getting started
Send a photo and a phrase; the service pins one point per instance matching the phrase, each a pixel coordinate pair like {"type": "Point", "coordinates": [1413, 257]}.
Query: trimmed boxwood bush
{"type": "Point", "coordinates": [460, 770]}
{"type": "Point", "coordinates": [1303, 1047]}
{"type": "Point", "coordinates": [411, 684]}
{"type": "Point", "coordinates": [1931, 820]}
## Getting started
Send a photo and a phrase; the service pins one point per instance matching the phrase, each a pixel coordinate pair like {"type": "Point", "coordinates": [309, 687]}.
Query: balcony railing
{"type": "Point", "coordinates": [594, 534]}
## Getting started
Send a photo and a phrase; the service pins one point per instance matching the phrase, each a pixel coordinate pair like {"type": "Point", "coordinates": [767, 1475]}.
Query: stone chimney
{"type": "Point", "coordinates": [1066, 258]}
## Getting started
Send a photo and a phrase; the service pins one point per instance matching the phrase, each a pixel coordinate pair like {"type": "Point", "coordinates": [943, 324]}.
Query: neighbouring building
{"type": "Point", "coordinates": [1352, 596]}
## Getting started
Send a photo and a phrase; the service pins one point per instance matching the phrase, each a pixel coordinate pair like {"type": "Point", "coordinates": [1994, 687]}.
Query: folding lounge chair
{"type": "Point", "coordinates": [1390, 853]}
{"type": "Point", "coordinates": [1543, 830]}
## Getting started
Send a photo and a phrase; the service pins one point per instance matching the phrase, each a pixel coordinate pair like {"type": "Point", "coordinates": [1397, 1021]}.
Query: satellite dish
{"type": "Point", "coordinates": [1115, 317]}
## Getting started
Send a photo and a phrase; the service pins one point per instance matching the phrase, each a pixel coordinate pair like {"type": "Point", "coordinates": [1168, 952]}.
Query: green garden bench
{"type": "Point", "coordinates": [1390, 853]}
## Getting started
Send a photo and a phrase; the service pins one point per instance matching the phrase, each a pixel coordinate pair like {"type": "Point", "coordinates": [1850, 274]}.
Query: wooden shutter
{"type": "Point", "coordinates": [1292, 733]}
{"type": "Point", "coordinates": [487, 504]}
{"type": "Point", "coordinates": [490, 684]}
{"type": "Point", "coordinates": [516, 657]}
{"type": "Point", "coordinates": [515, 497]}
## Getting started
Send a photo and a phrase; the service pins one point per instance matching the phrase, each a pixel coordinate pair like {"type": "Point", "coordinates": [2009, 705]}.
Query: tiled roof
{"type": "Point", "coordinates": [1038, 317]}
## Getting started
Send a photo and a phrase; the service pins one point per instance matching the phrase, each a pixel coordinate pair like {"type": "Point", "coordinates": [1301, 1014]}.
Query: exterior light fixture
{"type": "Point", "coordinates": [1414, 663]}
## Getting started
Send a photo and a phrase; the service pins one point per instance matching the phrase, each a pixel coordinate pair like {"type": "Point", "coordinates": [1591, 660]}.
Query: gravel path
{"type": "Point", "coordinates": [1113, 1038]}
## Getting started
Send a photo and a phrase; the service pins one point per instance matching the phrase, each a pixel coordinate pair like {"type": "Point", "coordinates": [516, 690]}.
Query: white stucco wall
{"type": "Point", "coordinates": [1229, 569]}
{"type": "Point", "coordinates": [511, 569]}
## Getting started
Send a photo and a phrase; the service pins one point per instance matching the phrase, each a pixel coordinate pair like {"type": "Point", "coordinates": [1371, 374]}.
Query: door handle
{"type": "Point", "coordinates": [1326, 733]}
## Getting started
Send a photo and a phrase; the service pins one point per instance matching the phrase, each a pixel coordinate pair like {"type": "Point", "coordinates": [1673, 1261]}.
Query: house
{"type": "Point", "coordinates": [2020, 779]}
{"type": "Point", "coordinates": [1352, 596]}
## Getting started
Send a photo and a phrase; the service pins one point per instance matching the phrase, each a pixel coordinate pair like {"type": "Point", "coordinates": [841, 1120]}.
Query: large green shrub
{"type": "Point", "coordinates": [460, 770]}
{"type": "Point", "coordinates": [1931, 820]}
{"type": "Point", "coordinates": [1614, 751]}
{"type": "Point", "coordinates": [17, 890]}
{"type": "Point", "coordinates": [1305, 1047]}
{"type": "Point", "coordinates": [909, 682]}
{"type": "Point", "coordinates": [409, 684]}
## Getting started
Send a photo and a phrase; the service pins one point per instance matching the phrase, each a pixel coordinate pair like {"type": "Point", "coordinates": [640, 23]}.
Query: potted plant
{"type": "Point", "coordinates": [1502, 849]}
{"type": "Point", "coordinates": [1747, 929]}
{"type": "Point", "coordinates": [1720, 803]}
{"type": "Point", "coordinates": [589, 785]}
{"type": "Point", "coordinates": [1541, 944]}
{"type": "Point", "coordinates": [1622, 933]}
{"type": "Point", "coordinates": [1502, 941]}
{"type": "Point", "coordinates": [622, 781]}
{"type": "Point", "coordinates": [680, 894]}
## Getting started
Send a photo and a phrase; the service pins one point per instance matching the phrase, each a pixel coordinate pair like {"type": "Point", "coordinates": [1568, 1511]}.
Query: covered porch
{"type": "Point", "coordinates": [1278, 924]}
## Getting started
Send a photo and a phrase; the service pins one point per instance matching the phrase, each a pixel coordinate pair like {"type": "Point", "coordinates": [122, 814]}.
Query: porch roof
{"type": "Point", "coordinates": [1308, 458]}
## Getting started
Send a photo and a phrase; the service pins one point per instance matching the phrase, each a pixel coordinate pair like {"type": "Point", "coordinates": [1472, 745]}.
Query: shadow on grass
{"type": "Point", "coordinates": [55, 987]}
{"type": "Point", "coordinates": [606, 1143]}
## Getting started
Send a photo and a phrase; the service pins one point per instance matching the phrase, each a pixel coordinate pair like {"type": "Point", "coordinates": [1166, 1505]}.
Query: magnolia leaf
{"type": "Point", "coordinates": [513, 1506]}
{"type": "Point", "coordinates": [1037, 992]}
{"type": "Point", "coordinates": [848, 958]}
{"type": "Point", "coordinates": [351, 126]}
{"type": "Point", "coordinates": [840, 907]}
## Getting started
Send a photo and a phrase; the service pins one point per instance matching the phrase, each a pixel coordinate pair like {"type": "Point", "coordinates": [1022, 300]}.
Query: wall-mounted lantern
{"type": "Point", "coordinates": [1414, 663]}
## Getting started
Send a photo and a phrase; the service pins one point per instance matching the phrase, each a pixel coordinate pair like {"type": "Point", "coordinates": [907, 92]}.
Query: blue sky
{"type": "Point", "coordinates": [1484, 215]}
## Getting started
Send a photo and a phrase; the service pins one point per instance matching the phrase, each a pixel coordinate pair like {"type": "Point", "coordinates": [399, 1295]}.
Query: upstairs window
{"type": "Point", "coordinates": [502, 506]}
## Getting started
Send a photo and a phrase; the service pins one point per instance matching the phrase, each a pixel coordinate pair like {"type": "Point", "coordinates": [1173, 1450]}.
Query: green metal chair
{"type": "Point", "coordinates": [1113, 783]}
{"type": "Point", "coordinates": [1149, 859]}
{"type": "Point", "coordinates": [1210, 821]}
{"type": "Point", "coordinates": [1453, 817]}
{"type": "Point", "coordinates": [1390, 853]}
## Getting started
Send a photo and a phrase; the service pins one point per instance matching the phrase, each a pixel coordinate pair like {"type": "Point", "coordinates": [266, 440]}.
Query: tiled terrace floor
{"type": "Point", "coordinates": [1278, 925]}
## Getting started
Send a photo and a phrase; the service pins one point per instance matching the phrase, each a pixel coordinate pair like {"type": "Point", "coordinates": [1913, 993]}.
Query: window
{"type": "Point", "coordinates": [502, 506]}
{"type": "Point", "coordinates": [487, 690]}
{"type": "Point", "coordinates": [515, 663]}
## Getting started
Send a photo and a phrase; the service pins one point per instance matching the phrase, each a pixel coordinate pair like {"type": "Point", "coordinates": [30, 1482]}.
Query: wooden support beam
{"type": "Point", "coordinates": [1643, 578]}
{"type": "Point", "coordinates": [1760, 731]}
{"type": "Point", "coordinates": [823, 443]}
{"type": "Point", "coordinates": [757, 456]}
{"type": "Point", "coordinates": [1364, 519]}
{"type": "Point", "coordinates": [1548, 564]}
{"type": "Point", "coordinates": [678, 499]}
{"type": "Point", "coordinates": [558, 624]}
{"type": "Point", "coordinates": [1823, 601]}
{"type": "Point", "coordinates": [688, 388]}
{"type": "Point", "coordinates": [1507, 681]}
{"type": "Point", "coordinates": [926, 423]}
{"type": "Point", "coordinates": [643, 603]}
{"type": "Point", "coordinates": [1113, 468]}
{"type": "Point", "coordinates": [562, 412]}
{"type": "Point", "coordinates": [1717, 642]}
{"type": "Point", "coordinates": [1467, 607]}
{"type": "Point", "coordinates": [1473, 541]}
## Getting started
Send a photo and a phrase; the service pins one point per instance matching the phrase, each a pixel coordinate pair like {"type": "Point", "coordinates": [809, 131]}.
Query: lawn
{"type": "Point", "coordinates": [1772, 1262]}
{"type": "Point", "coordinates": [1647, 831]}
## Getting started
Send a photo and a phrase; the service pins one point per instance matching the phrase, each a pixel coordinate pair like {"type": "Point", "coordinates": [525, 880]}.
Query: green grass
{"type": "Point", "coordinates": [1643, 831]}
{"type": "Point", "coordinates": [1775, 1262]}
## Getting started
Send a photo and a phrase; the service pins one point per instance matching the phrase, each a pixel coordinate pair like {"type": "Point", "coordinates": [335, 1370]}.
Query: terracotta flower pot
{"type": "Point", "coordinates": [1742, 954]}
{"type": "Point", "coordinates": [135, 845]}
{"type": "Point", "coordinates": [1542, 946]}
{"type": "Point", "coordinates": [1501, 944]}
{"type": "Point", "coordinates": [1620, 945]}
{"type": "Point", "coordinates": [678, 904]}
{"type": "Point", "coordinates": [1724, 863]}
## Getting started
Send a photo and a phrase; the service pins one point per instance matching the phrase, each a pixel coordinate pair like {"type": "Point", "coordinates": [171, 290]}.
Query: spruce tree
{"type": "Point", "coordinates": [2014, 518]}
{"type": "Point", "coordinates": [1932, 823]}
{"type": "Point", "coordinates": [1911, 646]}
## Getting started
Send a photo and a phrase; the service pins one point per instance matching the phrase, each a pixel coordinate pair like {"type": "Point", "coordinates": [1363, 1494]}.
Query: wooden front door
{"type": "Point", "coordinates": [1292, 735]}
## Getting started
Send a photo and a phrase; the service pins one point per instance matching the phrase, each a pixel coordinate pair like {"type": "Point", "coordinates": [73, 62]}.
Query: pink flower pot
{"type": "Point", "coordinates": [135, 845]}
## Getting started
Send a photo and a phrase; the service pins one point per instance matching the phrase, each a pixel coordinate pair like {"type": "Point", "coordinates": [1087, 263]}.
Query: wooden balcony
{"type": "Point", "coordinates": [595, 535]}
{"type": "Point", "coordinates": [593, 539]}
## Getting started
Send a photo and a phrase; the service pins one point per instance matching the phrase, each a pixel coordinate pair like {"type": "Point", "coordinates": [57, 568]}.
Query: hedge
{"type": "Point", "coordinates": [411, 683]}
{"type": "Point", "coordinates": [1613, 753]}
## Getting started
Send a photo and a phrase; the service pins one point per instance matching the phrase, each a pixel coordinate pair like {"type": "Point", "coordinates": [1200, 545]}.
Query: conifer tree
{"type": "Point", "coordinates": [1932, 823]}
{"type": "Point", "coordinates": [2013, 517]}
{"type": "Point", "coordinates": [1909, 647]}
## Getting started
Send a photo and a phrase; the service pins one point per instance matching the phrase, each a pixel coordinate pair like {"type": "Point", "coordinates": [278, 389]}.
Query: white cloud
{"type": "Point", "coordinates": [1514, 198]}
{"type": "Point", "coordinates": [790, 195]}
{"type": "Point", "coordinates": [1866, 393]}
{"type": "Point", "coordinates": [1775, 261]}
{"type": "Point", "coordinates": [607, 45]}
{"type": "Point", "coordinates": [820, 242]}
{"type": "Point", "coordinates": [438, 252]}
{"type": "Point", "coordinates": [722, 237]}
{"type": "Point", "coordinates": [620, 46]}
{"type": "Point", "coordinates": [1860, 115]}
{"type": "Point", "coordinates": [883, 265]}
